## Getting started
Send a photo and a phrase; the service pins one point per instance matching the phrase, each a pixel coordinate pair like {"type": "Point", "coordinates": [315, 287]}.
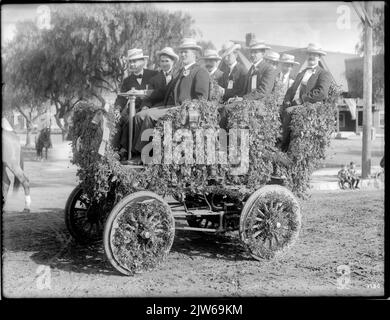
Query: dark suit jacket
{"type": "Point", "coordinates": [217, 75]}
{"type": "Point", "coordinates": [159, 86]}
{"type": "Point", "coordinates": [131, 82]}
{"type": "Point", "coordinates": [195, 85]}
{"type": "Point", "coordinates": [265, 80]}
{"type": "Point", "coordinates": [238, 76]}
{"type": "Point", "coordinates": [316, 89]}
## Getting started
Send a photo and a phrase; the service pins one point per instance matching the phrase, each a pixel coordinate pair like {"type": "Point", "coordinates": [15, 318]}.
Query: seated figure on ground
{"type": "Point", "coordinates": [344, 177]}
{"type": "Point", "coordinates": [353, 176]}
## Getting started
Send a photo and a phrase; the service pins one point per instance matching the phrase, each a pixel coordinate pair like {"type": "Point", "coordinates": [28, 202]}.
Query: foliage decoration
{"type": "Point", "coordinates": [143, 235]}
{"type": "Point", "coordinates": [264, 237]}
{"type": "Point", "coordinates": [312, 124]}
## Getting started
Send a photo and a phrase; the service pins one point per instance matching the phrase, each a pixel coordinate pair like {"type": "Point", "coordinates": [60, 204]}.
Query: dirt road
{"type": "Point", "coordinates": [339, 229]}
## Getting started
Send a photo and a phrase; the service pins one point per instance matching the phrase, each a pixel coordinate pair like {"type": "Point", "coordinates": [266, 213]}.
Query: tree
{"type": "Point", "coordinates": [378, 34]}
{"type": "Point", "coordinates": [206, 44]}
{"type": "Point", "coordinates": [19, 93]}
{"type": "Point", "coordinates": [81, 56]}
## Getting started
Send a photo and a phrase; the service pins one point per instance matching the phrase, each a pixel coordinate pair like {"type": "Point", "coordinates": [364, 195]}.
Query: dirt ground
{"type": "Point", "coordinates": [342, 229]}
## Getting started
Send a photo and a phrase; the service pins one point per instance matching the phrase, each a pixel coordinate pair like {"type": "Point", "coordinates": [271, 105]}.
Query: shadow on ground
{"type": "Point", "coordinates": [44, 235]}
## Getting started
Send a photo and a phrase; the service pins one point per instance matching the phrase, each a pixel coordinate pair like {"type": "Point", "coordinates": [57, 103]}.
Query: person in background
{"type": "Point", "coordinates": [260, 79]}
{"type": "Point", "coordinates": [167, 59]}
{"type": "Point", "coordinates": [152, 110]}
{"type": "Point", "coordinates": [138, 79]}
{"type": "Point", "coordinates": [211, 60]}
{"type": "Point", "coordinates": [354, 178]}
{"type": "Point", "coordinates": [272, 58]}
{"type": "Point", "coordinates": [343, 176]}
{"type": "Point", "coordinates": [233, 79]}
{"type": "Point", "coordinates": [284, 78]}
{"type": "Point", "coordinates": [193, 80]}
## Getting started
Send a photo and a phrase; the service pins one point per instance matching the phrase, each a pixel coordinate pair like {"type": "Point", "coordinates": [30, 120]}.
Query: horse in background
{"type": "Point", "coordinates": [43, 141]}
{"type": "Point", "coordinates": [13, 160]}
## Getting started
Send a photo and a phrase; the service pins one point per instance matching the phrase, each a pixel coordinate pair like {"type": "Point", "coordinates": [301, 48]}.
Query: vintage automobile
{"type": "Point", "coordinates": [136, 209]}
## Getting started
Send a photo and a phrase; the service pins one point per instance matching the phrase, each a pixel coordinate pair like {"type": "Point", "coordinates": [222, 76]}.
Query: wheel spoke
{"type": "Point", "coordinates": [261, 213]}
{"type": "Point", "coordinates": [256, 234]}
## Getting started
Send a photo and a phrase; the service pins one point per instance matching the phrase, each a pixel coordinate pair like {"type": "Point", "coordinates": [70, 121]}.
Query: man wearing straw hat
{"type": "Point", "coordinates": [152, 110]}
{"type": "Point", "coordinates": [193, 80]}
{"type": "Point", "coordinates": [234, 77]}
{"type": "Point", "coordinates": [311, 85]}
{"type": "Point", "coordinates": [211, 60]}
{"type": "Point", "coordinates": [284, 79]}
{"type": "Point", "coordinates": [166, 58]}
{"type": "Point", "coordinates": [261, 76]}
{"type": "Point", "coordinates": [138, 79]}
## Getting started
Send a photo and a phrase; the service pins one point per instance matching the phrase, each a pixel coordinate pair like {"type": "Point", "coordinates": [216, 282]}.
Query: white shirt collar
{"type": "Point", "coordinates": [257, 63]}
{"type": "Point", "coordinates": [312, 67]}
{"type": "Point", "coordinates": [232, 66]}
{"type": "Point", "coordinates": [284, 75]}
{"type": "Point", "coordinates": [213, 71]}
{"type": "Point", "coordinates": [189, 65]}
{"type": "Point", "coordinates": [169, 71]}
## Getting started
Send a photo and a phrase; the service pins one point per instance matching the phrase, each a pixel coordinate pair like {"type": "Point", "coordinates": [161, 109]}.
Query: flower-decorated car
{"type": "Point", "coordinates": [214, 179]}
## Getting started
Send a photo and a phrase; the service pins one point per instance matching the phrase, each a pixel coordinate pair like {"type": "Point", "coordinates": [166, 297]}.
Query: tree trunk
{"type": "Point", "coordinates": [61, 126]}
{"type": "Point", "coordinates": [29, 127]}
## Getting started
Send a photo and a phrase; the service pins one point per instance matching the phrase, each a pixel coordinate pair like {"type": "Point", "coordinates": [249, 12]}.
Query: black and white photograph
{"type": "Point", "coordinates": [193, 149]}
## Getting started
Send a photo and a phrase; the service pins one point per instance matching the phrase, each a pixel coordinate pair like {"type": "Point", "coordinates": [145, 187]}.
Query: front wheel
{"type": "Point", "coordinates": [270, 221]}
{"type": "Point", "coordinates": [139, 232]}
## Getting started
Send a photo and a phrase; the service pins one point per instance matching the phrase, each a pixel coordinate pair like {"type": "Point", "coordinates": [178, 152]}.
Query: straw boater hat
{"type": "Point", "coordinates": [258, 45]}
{"type": "Point", "coordinates": [288, 58]}
{"type": "Point", "coordinates": [315, 48]}
{"type": "Point", "coordinates": [135, 54]}
{"type": "Point", "coordinates": [210, 54]}
{"type": "Point", "coordinates": [272, 56]}
{"type": "Point", "coordinates": [189, 43]}
{"type": "Point", "coordinates": [228, 47]}
{"type": "Point", "coordinates": [168, 51]}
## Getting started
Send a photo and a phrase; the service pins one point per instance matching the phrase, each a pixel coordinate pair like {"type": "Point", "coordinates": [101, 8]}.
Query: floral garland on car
{"type": "Point", "coordinates": [104, 177]}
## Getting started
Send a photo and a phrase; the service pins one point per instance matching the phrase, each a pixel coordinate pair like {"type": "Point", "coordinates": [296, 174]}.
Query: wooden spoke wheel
{"type": "Point", "coordinates": [139, 232]}
{"type": "Point", "coordinates": [270, 221]}
{"type": "Point", "coordinates": [83, 218]}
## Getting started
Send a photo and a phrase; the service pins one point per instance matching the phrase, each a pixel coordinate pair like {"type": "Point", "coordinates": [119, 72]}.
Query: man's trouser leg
{"type": "Point", "coordinates": [286, 131]}
{"type": "Point", "coordinates": [147, 119]}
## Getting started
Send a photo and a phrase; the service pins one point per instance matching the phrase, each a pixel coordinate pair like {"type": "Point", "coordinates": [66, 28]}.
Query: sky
{"type": "Point", "coordinates": [333, 25]}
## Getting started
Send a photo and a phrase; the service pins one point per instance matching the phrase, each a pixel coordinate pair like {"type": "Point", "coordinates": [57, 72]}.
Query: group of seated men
{"type": "Point", "coordinates": [181, 77]}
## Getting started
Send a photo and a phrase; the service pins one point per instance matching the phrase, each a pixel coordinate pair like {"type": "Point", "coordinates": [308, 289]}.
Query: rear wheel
{"type": "Point", "coordinates": [83, 218]}
{"type": "Point", "coordinates": [270, 221]}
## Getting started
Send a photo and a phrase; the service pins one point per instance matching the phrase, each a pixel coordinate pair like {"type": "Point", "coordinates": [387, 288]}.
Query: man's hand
{"type": "Point", "coordinates": [298, 101]}
{"type": "Point", "coordinates": [234, 99]}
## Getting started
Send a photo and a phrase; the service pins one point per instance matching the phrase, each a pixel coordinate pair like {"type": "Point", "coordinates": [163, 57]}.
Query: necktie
{"type": "Point", "coordinates": [138, 76]}
{"type": "Point", "coordinates": [176, 89]}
